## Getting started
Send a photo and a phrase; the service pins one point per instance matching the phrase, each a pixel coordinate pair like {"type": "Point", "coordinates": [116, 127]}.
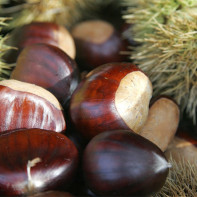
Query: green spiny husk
{"type": "Point", "coordinates": [63, 12]}
{"type": "Point", "coordinates": [167, 31]}
{"type": "Point", "coordinates": [5, 69]}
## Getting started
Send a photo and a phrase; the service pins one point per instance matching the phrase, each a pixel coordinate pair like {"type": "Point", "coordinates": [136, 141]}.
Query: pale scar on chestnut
{"type": "Point", "coordinates": [66, 42]}
{"type": "Point", "coordinates": [100, 35]}
{"type": "Point", "coordinates": [33, 89]}
{"type": "Point", "coordinates": [132, 99]}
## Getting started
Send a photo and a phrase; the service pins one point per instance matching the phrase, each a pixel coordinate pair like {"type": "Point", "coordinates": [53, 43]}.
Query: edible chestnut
{"type": "Point", "coordinates": [183, 147]}
{"type": "Point", "coordinates": [112, 96]}
{"type": "Point", "coordinates": [97, 42]}
{"type": "Point", "coordinates": [53, 194]}
{"type": "Point", "coordinates": [119, 163]}
{"type": "Point", "coordinates": [49, 67]}
{"type": "Point", "coordinates": [35, 160]}
{"type": "Point", "coordinates": [40, 32]}
{"type": "Point", "coordinates": [25, 105]}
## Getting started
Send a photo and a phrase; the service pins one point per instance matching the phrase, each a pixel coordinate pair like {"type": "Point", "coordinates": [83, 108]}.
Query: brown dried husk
{"type": "Point", "coordinates": [181, 180]}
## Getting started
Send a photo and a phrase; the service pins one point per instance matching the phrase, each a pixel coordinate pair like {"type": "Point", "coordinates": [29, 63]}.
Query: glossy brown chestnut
{"type": "Point", "coordinates": [49, 67]}
{"type": "Point", "coordinates": [40, 32]}
{"type": "Point", "coordinates": [24, 105]}
{"type": "Point", "coordinates": [52, 194]}
{"type": "Point", "coordinates": [112, 96]}
{"type": "Point", "coordinates": [119, 163]}
{"type": "Point", "coordinates": [34, 160]}
{"type": "Point", "coordinates": [97, 42]}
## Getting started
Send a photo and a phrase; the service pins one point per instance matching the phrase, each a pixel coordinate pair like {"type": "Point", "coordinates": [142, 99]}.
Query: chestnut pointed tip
{"type": "Point", "coordinates": [146, 176]}
{"type": "Point", "coordinates": [169, 165]}
{"type": "Point", "coordinates": [160, 164]}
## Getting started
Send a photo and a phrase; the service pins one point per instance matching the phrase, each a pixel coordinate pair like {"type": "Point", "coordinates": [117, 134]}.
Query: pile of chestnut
{"type": "Point", "coordinates": [76, 118]}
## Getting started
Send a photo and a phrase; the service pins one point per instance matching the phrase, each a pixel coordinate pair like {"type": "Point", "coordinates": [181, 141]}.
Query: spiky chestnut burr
{"type": "Point", "coordinates": [167, 33]}
{"type": "Point", "coordinates": [5, 69]}
{"type": "Point", "coordinates": [64, 12]}
{"type": "Point", "coordinates": [181, 180]}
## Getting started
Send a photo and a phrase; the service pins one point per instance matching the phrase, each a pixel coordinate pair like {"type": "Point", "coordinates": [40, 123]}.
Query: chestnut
{"type": "Point", "coordinates": [40, 32]}
{"type": "Point", "coordinates": [162, 122]}
{"type": "Point", "coordinates": [97, 42]}
{"type": "Point", "coordinates": [119, 163]}
{"type": "Point", "coordinates": [25, 105]}
{"type": "Point", "coordinates": [183, 147]}
{"type": "Point", "coordinates": [112, 96]}
{"type": "Point", "coordinates": [49, 67]}
{"type": "Point", "coordinates": [52, 194]}
{"type": "Point", "coordinates": [35, 160]}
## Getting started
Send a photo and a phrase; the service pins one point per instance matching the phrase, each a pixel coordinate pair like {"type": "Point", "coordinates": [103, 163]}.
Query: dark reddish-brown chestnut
{"type": "Point", "coordinates": [112, 96]}
{"type": "Point", "coordinates": [162, 122]}
{"type": "Point", "coordinates": [52, 194]}
{"type": "Point", "coordinates": [97, 42]}
{"type": "Point", "coordinates": [40, 32]}
{"type": "Point", "coordinates": [24, 105]}
{"type": "Point", "coordinates": [119, 163]}
{"type": "Point", "coordinates": [49, 67]}
{"type": "Point", "coordinates": [34, 160]}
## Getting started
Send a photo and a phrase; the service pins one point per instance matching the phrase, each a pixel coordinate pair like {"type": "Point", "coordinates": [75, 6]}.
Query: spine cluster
{"type": "Point", "coordinates": [166, 31]}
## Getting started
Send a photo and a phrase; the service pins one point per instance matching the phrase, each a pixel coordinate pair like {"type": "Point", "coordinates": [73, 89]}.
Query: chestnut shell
{"type": "Point", "coordinates": [36, 32]}
{"type": "Point", "coordinates": [29, 108]}
{"type": "Point", "coordinates": [49, 67]}
{"type": "Point", "coordinates": [90, 55]}
{"type": "Point", "coordinates": [92, 107]}
{"type": "Point", "coordinates": [123, 163]}
{"type": "Point", "coordinates": [59, 160]}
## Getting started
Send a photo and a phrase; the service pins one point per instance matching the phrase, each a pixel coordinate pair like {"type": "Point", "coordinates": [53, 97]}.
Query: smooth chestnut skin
{"type": "Point", "coordinates": [97, 42]}
{"type": "Point", "coordinates": [49, 67]}
{"type": "Point", "coordinates": [111, 97]}
{"type": "Point", "coordinates": [120, 163]}
{"type": "Point", "coordinates": [57, 166]}
{"type": "Point", "coordinates": [40, 32]}
{"type": "Point", "coordinates": [53, 194]}
{"type": "Point", "coordinates": [24, 105]}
